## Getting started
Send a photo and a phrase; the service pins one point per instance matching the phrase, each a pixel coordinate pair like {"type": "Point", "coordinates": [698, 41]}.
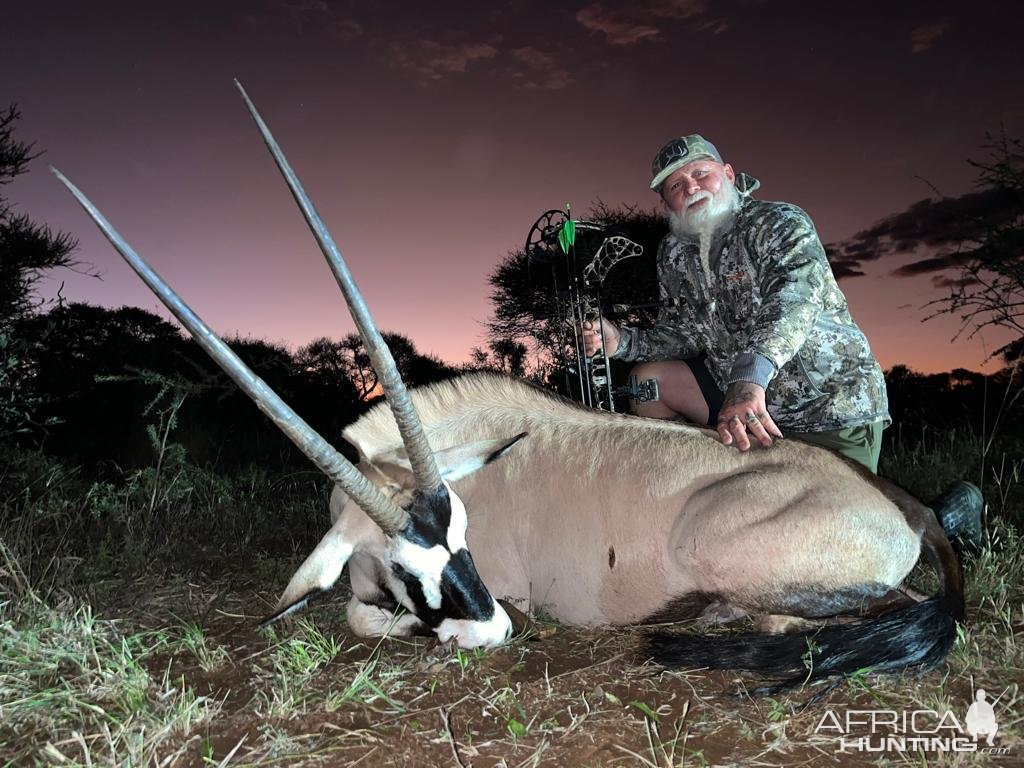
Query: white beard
{"type": "Point", "coordinates": [703, 221]}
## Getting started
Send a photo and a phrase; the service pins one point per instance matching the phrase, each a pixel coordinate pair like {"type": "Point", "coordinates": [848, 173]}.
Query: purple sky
{"type": "Point", "coordinates": [432, 135]}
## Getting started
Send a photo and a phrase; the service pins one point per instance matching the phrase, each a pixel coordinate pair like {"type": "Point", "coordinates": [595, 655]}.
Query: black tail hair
{"type": "Point", "coordinates": [918, 636]}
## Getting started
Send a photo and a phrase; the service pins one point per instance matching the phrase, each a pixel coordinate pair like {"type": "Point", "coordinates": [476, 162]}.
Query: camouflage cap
{"type": "Point", "coordinates": [678, 153]}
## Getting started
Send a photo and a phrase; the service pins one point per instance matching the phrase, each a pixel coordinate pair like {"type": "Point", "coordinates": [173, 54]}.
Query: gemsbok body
{"type": "Point", "coordinates": [596, 518]}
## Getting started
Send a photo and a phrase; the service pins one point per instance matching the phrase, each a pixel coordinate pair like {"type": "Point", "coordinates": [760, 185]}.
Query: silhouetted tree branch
{"type": "Point", "coordinates": [27, 250]}
{"type": "Point", "coordinates": [989, 288]}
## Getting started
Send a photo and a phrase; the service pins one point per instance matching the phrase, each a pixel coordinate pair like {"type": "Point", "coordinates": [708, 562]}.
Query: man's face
{"type": "Point", "coordinates": [694, 185]}
{"type": "Point", "coordinates": [699, 197]}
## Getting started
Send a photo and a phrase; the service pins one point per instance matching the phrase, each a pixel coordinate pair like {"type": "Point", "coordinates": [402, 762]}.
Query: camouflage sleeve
{"type": "Point", "coordinates": [664, 341]}
{"type": "Point", "coordinates": [794, 276]}
{"type": "Point", "coordinates": [667, 340]}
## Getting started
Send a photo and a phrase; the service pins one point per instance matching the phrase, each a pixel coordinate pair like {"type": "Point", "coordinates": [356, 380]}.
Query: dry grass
{"type": "Point", "coordinates": [169, 670]}
{"type": "Point", "coordinates": [79, 690]}
{"type": "Point", "coordinates": [147, 687]}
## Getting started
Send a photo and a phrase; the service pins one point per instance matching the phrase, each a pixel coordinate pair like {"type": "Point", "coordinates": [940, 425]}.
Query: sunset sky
{"type": "Point", "coordinates": [432, 135]}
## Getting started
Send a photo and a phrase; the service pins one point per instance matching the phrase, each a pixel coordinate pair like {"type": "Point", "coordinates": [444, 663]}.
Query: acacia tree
{"type": "Point", "coordinates": [532, 291]}
{"type": "Point", "coordinates": [348, 359]}
{"type": "Point", "coordinates": [27, 249]}
{"type": "Point", "coordinates": [503, 355]}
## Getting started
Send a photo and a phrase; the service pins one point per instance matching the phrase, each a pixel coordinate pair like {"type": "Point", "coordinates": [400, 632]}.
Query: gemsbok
{"type": "Point", "coordinates": [597, 518]}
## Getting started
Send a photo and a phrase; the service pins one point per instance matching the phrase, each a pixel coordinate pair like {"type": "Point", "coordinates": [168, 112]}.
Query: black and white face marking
{"type": "Point", "coordinates": [431, 560]}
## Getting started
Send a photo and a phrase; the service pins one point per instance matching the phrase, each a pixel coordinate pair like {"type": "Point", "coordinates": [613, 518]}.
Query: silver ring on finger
{"type": "Point", "coordinates": [752, 418]}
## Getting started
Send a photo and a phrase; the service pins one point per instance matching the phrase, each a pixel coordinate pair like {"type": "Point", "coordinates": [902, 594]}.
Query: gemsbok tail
{"type": "Point", "coordinates": [917, 637]}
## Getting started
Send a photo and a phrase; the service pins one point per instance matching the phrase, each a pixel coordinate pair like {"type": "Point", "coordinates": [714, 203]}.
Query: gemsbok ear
{"type": "Point", "coordinates": [456, 462]}
{"type": "Point", "coordinates": [315, 576]}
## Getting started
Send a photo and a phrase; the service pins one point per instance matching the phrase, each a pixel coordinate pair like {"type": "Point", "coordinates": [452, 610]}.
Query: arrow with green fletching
{"type": "Point", "coordinates": [567, 235]}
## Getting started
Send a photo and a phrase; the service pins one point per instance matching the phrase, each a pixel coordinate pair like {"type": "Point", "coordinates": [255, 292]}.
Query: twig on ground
{"type": "Point", "coordinates": [446, 720]}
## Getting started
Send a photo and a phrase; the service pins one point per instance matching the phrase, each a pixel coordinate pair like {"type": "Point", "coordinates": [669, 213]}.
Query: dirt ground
{"type": "Point", "coordinates": [312, 694]}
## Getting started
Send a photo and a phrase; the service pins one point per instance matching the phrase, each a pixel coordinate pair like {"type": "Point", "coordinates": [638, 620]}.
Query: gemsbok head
{"type": "Point", "coordinates": [422, 539]}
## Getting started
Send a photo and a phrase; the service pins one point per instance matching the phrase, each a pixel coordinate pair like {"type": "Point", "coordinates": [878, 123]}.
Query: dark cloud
{"type": "Point", "coordinates": [949, 225]}
{"type": "Point", "coordinates": [841, 265]}
{"type": "Point", "coordinates": [431, 60]}
{"type": "Point", "coordinates": [931, 264]}
{"type": "Point", "coordinates": [346, 29]}
{"type": "Point", "coordinates": [922, 38]}
{"type": "Point", "coordinates": [857, 251]}
{"type": "Point", "coordinates": [956, 283]}
{"type": "Point", "coordinates": [638, 22]}
{"type": "Point", "coordinates": [298, 16]}
{"type": "Point", "coordinates": [615, 25]}
{"type": "Point", "coordinates": [539, 70]}
{"type": "Point", "coordinates": [843, 269]}
{"type": "Point", "coordinates": [715, 26]}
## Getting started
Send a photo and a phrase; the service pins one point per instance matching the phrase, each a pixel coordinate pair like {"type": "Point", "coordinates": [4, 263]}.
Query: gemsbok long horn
{"type": "Point", "coordinates": [421, 457]}
{"type": "Point", "coordinates": [389, 516]}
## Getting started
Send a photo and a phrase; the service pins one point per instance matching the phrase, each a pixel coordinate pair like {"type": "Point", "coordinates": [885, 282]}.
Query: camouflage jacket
{"type": "Point", "coordinates": [767, 310]}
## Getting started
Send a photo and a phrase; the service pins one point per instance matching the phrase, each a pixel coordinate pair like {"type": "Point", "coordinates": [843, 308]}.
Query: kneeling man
{"type": "Point", "coordinates": [755, 338]}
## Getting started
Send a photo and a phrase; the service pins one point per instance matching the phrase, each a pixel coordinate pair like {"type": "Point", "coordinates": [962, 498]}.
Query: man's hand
{"type": "Point", "coordinates": [744, 409]}
{"type": "Point", "coordinates": [592, 337]}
